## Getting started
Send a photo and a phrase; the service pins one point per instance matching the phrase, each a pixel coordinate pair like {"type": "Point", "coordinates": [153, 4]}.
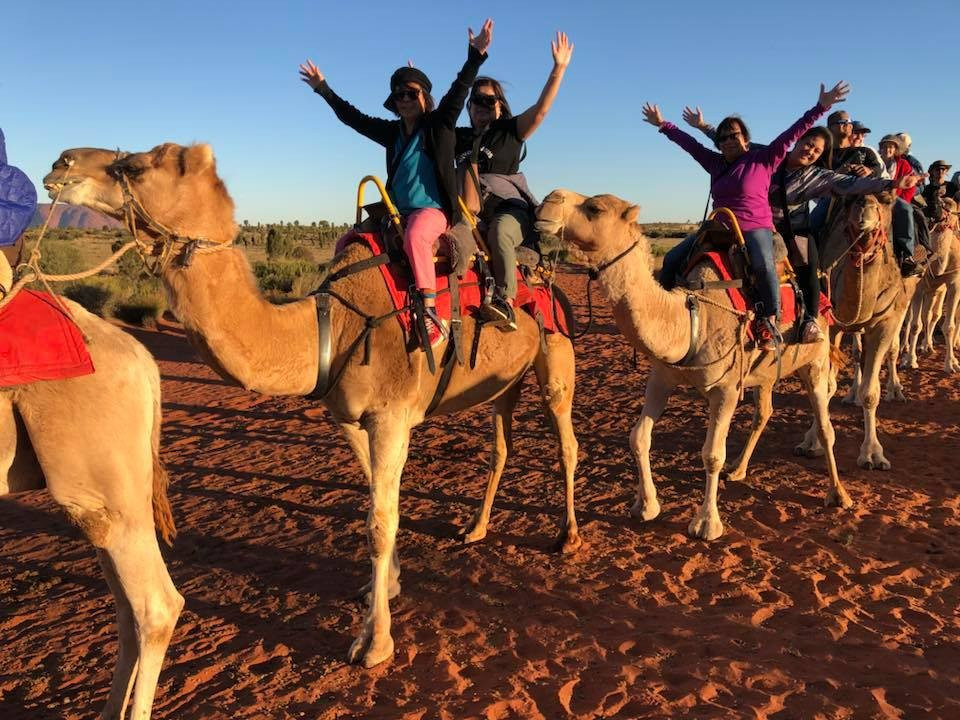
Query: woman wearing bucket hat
{"type": "Point", "coordinates": [421, 178]}
{"type": "Point", "coordinates": [18, 202]}
{"type": "Point", "coordinates": [904, 230]}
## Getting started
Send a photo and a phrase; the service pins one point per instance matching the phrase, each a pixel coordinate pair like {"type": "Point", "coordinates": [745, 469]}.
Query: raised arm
{"type": "Point", "coordinates": [711, 161]}
{"type": "Point", "coordinates": [694, 118]}
{"type": "Point", "coordinates": [830, 182]}
{"type": "Point", "coordinates": [529, 120]}
{"type": "Point", "coordinates": [451, 104]}
{"type": "Point", "coordinates": [379, 130]}
{"type": "Point", "coordinates": [776, 151]}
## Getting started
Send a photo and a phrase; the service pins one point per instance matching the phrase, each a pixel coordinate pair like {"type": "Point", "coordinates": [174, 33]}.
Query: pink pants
{"type": "Point", "coordinates": [424, 226]}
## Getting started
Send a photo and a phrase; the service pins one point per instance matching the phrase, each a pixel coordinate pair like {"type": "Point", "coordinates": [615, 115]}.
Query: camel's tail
{"type": "Point", "coordinates": [162, 514]}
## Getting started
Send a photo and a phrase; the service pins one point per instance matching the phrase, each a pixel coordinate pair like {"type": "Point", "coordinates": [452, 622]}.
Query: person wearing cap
{"type": "Point", "coordinates": [847, 156]}
{"type": "Point", "coordinates": [914, 163]}
{"type": "Point", "coordinates": [421, 177]}
{"type": "Point", "coordinates": [489, 152]}
{"type": "Point", "coordinates": [740, 181]}
{"type": "Point", "coordinates": [938, 187]}
{"type": "Point", "coordinates": [858, 139]}
{"type": "Point", "coordinates": [904, 230]}
{"type": "Point", "coordinates": [18, 203]}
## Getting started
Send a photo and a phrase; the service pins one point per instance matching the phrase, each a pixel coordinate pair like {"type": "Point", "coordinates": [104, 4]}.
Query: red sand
{"type": "Point", "coordinates": [796, 612]}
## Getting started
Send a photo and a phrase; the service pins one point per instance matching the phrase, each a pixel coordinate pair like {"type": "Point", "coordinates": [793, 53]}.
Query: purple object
{"type": "Point", "coordinates": [18, 199]}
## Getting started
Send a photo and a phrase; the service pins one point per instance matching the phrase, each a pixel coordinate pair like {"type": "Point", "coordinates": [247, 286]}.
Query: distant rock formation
{"type": "Point", "coordinates": [72, 216]}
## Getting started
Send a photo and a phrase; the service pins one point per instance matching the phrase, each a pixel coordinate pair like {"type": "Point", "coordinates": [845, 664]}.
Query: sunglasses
{"type": "Point", "coordinates": [486, 101]}
{"type": "Point", "coordinates": [406, 94]}
{"type": "Point", "coordinates": [728, 136]}
{"type": "Point", "coordinates": [842, 122]}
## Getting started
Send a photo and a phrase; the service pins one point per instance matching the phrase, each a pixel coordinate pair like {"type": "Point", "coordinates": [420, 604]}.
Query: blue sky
{"type": "Point", "coordinates": [133, 75]}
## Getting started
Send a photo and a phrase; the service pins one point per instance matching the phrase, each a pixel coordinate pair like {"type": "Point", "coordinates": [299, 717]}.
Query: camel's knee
{"type": "Point", "coordinates": [555, 393]}
{"type": "Point", "coordinates": [381, 531]}
{"type": "Point", "coordinates": [640, 440]}
{"type": "Point", "coordinates": [96, 524]}
{"type": "Point", "coordinates": [159, 620]}
{"type": "Point", "coordinates": [870, 398]}
{"type": "Point", "coordinates": [712, 462]}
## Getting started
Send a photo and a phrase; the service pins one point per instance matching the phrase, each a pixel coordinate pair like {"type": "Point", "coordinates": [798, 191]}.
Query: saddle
{"type": "Point", "coordinates": [38, 341]}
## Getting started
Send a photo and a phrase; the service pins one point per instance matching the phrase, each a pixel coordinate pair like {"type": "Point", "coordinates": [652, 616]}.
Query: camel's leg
{"type": "Point", "coordinates": [503, 408]}
{"type": "Point", "coordinates": [389, 435]}
{"type": "Point", "coordinates": [357, 438]}
{"type": "Point", "coordinates": [658, 392]}
{"type": "Point", "coordinates": [815, 378]}
{"type": "Point", "coordinates": [914, 327]}
{"type": "Point", "coordinates": [723, 401]}
{"type": "Point", "coordinates": [876, 344]}
{"type": "Point", "coordinates": [762, 410]}
{"type": "Point", "coordinates": [950, 364]}
{"type": "Point", "coordinates": [894, 386]}
{"type": "Point", "coordinates": [932, 317]}
{"type": "Point", "coordinates": [148, 606]}
{"type": "Point", "coordinates": [811, 446]}
{"type": "Point", "coordinates": [853, 394]}
{"type": "Point", "coordinates": [557, 377]}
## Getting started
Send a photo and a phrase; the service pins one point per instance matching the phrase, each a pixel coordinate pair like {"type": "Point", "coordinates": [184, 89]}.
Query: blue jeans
{"type": "Point", "coordinates": [904, 231]}
{"type": "Point", "coordinates": [759, 252]}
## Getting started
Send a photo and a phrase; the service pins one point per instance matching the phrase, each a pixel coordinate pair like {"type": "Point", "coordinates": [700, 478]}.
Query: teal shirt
{"type": "Point", "coordinates": [414, 183]}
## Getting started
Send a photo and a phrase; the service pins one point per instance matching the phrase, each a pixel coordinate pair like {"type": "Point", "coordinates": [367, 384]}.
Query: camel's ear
{"type": "Point", "coordinates": [196, 158]}
{"type": "Point", "coordinates": [631, 214]}
{"type": "Point", "coordinates": [160, 153]}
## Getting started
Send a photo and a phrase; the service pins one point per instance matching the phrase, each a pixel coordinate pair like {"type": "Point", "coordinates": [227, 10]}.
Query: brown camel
{"type": "Point", "coordinates": [605, 236]}
{"type": "Point", "coordinates": [92, 441]}
{"type": "Point", "coordinates": [275, 350]}
{"type": "Point", "coordinates": [938, 293]}
{"type": "Point", "coordinates": [869, 297]}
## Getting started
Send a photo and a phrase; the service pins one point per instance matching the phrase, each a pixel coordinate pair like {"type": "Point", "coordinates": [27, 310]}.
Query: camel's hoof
{"type": "Point", "coordinates": [808, 452]}
{"type": "Point", "coordinates": [645, 511]}
{"type": "Point", "coordinates": [734, 475]}
{"type": "Point", "coordinates": [568, 543]}
{"type": "Point", "coordinates": [895, 396]}
{"type": "Point", "coordinates": [370, 651]}
{"type": "Point", "coordinates": [473, 534]}
{"type": "Point", "coordinates": [837, 498]}
{"type": "Point", "coordinates": [705, 528]}
{"type": "Point", "coordinates": [849, 400]}
{"type": "Point", "coordinates": [875, 462]}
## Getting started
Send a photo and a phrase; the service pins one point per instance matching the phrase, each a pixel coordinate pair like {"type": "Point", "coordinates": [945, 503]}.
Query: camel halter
{"type": "Point", "coordinates": [166, 243]}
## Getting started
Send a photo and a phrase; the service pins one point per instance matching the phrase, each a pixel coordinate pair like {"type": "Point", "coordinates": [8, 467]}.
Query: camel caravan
{"type": "Point", "coordinates": [439, 300]}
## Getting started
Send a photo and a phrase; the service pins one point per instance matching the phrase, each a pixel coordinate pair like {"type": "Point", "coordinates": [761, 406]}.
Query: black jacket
{"type": "Point", "coordinates": [438, 126]}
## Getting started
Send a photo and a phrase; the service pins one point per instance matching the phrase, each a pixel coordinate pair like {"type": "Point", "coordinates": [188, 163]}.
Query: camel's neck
{"type": "Point", "coordinates": [856, 289]}
{"type": "Point", "coordinates": [268, 348]}
{"type": "Point", "coordinates": [655, 321]}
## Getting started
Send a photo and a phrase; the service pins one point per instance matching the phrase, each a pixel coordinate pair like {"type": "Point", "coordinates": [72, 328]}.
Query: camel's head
{"type": "Point", "coordinates": [83, 174]}
{"type": "Point", "coordinates": [865, 213]}
{"type": "Point", "coordinates": [597, 228]}
{"type": "Point", "coordinates": [178, 186]}
{"type": "Point", "coordinates": [948, 219]}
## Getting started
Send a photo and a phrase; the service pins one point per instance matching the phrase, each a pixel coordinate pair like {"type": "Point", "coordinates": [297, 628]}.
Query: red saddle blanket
{"type": "Point", "coordinates": [39, 342]}
{"type": "Point", "coordinates": [534, 300]}
{"type": "Point", "coordinates": [788, 298]}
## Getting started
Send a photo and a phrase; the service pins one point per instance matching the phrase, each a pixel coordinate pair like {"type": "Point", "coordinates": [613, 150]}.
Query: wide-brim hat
{"type": "Point", "coordinates": [894, 140]}
{"type": "Point", "coordinates": [939, 163]}
{"type": "Point", "coordinates": [401, 77]}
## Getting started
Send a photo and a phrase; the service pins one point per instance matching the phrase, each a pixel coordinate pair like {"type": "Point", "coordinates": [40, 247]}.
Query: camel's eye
{"type": "Point", "coordinates": [592, 208]}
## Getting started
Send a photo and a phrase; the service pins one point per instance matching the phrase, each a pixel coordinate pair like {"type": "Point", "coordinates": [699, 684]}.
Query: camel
{"type": "Point", "coordinates": [603, 233]}
{"type": "Point", "coordinates": [869, 297]}
{"type": "Point", "coordinates": [939, 293]}
{"type": "Point", "coordinates": [92, 442]}
{"type": "Point", "coordinates": [274, 349]}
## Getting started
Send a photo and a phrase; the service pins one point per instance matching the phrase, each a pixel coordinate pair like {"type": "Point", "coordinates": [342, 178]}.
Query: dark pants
{"type": "Point", "coordinates": [505, 234]}
{"type": "Point", "coordinates": [759, 252]}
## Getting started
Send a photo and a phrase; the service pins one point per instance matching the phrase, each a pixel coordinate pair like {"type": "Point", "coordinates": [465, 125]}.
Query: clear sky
{"type": "Point", "coordinates": [135, 74]}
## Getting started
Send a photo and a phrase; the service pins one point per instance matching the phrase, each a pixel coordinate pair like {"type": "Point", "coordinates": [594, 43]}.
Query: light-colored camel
{"type": "Point", "coordinates": [274, 349]}
{"type": "Point", "coordinates": [92, 441]}
{"type": "Point", "coordinates": [938, 293]}
{"type": "Point", "coordinates": [869, 297]}
{"type": "Point", "coordinates": [605, 236]}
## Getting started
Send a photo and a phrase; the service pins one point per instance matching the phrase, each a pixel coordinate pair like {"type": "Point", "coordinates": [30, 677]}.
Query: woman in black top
{"type": "Point", "coordinates": [489, 152]}
{"type": "Point", "coordinates": [421, 177]}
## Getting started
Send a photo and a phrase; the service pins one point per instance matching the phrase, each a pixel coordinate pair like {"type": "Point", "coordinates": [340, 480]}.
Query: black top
{"type": "Point", "coordinates": [500, 147]}
{"type": "Point", "coordinates": [843, 157]}
{"type": "Point", "coordinates": [932, 194]}
{"type": "Point", "coordinates": [438, 128]}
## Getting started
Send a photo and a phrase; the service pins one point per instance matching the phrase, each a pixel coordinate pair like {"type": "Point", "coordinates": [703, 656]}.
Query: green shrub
{"type": "Point", "coordinates": [144, 305]}
{"type": "Point", "coordinates": [94, 297]}
{"type": "Point", "coordinates": [278, 244]}
{"type": "Point", "coordinates": [302, 252]}
{"type": "Point", "coordinates": [279, 275]}
{"type": "Point", "coordinates": [130, 265]}
{"type": "Point", "coordinates": [60, 257]}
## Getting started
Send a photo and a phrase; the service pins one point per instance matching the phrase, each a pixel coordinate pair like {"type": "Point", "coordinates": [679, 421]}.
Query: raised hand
{"type": "Point", "coordinates": [909, 181]}
{"type": "Point", "coordinates": [482, 41]}
{"type": "Point", "coordinates": [694, 118]}
{"type": "Point", "coordinates": [311, 75]}
{"type": "Point", "coordinates": [562, 50]}
{"type": "Point", "coordinates": [835, 95]}
{"type": "Point", "coordinates": [651, 113]}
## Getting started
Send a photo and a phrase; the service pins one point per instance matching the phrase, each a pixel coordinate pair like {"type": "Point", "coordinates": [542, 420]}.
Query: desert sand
{"type": "Point", "coordinates": [796, 612]}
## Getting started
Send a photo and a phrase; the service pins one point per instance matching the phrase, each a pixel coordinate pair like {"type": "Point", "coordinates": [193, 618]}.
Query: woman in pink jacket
{"type": "Point", "coordinates": [740, 180]}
